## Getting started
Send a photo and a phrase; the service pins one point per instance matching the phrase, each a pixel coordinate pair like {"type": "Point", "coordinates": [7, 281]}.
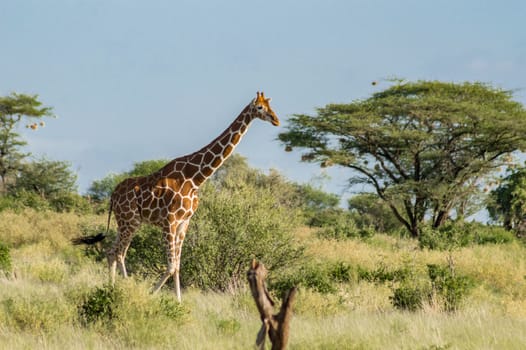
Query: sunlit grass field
{"type": "Point", "coordinates": [41, 298]}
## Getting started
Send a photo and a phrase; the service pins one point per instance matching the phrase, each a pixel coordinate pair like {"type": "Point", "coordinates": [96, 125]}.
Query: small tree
{"type": "Point", "coordinates": [369, 210]}
{"type": "Point", "coordinates": [507, 202]}
{"type": "Point", "coordinates": [47, 178]}
{"type": "Point", "coordinates": [13, 110]}
{"type": "Point", "coordinates": [424, 146]}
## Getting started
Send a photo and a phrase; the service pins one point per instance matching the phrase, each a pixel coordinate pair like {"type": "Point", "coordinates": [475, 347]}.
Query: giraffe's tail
{"type": "Point", "coordinates": [89, 239]}
{"type": "Point", "coordinates": [94, 238]}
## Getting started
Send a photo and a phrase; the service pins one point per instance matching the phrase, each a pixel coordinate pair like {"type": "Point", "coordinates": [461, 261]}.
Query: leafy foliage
{"type": "Point", "coordinates": [229, 230]}
{"type": "Point", "coordinates": [456, 235]}
{"type": "Point", "coordinates": [14, 109]}
{"type": "Point", "coordinates": [507, 203]}
{"type": "Point", "coordinates": [100, 305]}
{"type": "Point", "coordinates": [322, 278]}
{"type": "Point", "coordinates": [382, 274]}
{"type": "Point", "coordinates": [45, 177]}
{"type": "Point", "coordinates": [339, 224]}
{"type": "Point", "coordinates": [370, 211]}
{"type": "Point", "coordinates": [45, 185]}
{"type": "Point", "coordinates": [450, 287]}
{"type": "Point", "coordinates": [443, 288]}
{"type": "Point", "coordinates": [422, 146]}
{"type": "Point", "coordinates": [408, 297]}
{"type": "Point", "coordinates": [5, 258]}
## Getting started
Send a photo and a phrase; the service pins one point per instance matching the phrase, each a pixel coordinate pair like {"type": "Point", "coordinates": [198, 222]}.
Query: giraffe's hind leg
{"type": "Point", "coordinates": [117, 254]}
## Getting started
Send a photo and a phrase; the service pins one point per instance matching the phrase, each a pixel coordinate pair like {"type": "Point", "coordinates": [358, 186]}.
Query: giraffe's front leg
{"type": "Point", "coordinates": [181, 233]}
{"type": "Point", "coordinates": [174, 241]}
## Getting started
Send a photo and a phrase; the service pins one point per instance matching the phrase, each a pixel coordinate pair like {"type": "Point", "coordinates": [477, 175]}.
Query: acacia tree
{"type": "Point", "coordinates": [423, 146]}
{"type": "Point", "coordinates": [14, 109]}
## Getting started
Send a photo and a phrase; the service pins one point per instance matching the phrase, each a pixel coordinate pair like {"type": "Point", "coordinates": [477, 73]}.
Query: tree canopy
{"type": "Point", "coordinates": [507, 202]}
{"type": "Point", "coordinates": [14, 109]}
{"type": "Point", "coordinates": [424, 147]}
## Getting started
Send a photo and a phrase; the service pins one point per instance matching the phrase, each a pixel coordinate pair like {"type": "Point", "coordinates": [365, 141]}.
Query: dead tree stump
{"type": "Point", "coordinates": [276, 326]}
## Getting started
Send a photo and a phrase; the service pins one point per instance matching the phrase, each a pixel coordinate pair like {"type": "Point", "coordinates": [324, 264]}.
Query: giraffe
{"type": "Point", "coordinates": [168, 197]}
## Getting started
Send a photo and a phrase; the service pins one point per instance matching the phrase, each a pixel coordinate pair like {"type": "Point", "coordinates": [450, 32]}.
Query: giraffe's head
{"type": "Point", "coordinates": [262, 109]}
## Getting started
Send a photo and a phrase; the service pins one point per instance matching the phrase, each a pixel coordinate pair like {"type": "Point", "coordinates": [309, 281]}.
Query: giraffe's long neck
{"type": "Point", "coordinates": [203, 163]}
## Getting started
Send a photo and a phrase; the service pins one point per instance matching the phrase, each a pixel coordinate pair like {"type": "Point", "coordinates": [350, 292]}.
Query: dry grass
{"type": "Point", "coordinates": [39, 302]}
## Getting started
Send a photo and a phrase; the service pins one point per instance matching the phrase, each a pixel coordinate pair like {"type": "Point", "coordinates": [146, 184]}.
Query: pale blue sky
{"type": "Point", "coordinates": [138, 80]}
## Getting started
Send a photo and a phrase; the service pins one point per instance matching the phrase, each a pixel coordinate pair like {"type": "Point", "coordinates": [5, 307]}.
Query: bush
{"type": "Point", "coordinates": [338, 224]}
{"type": "Point", "coordinates": [313, 276]}
{"type": "Point", "coordinates": [100, 305]}
{"type": "Point", "coordinates": [454, 235]}
{"type": "Point", "coordinates": [408, 297]}
{"type": "Point", "coordinates": [452, 289]}
{"type": "Point", "coordinates": [5, 258]}
{"type": "Point", "coordinates": [147, 254]}
{"type": "Point", "coordinates": [66, 202]}
{"type": "Point", "coordinates": [442, 287]}
{"type": "Point", "coordinates": [493, 235]}
{"type": "Point", "coordinates": [383, 274]}
{"type": "Point", "coordinates": [230, 228]}
{"type": "Point", "coordinates": [24, 199]}
{"type": "Point", "coordinates": [321, 278]}
{"type": "Point", "coordinates": [445, 238]}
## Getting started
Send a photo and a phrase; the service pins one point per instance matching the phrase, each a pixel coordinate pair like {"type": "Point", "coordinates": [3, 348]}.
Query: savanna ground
{"type": "Point", "coordinates": [43, 298]}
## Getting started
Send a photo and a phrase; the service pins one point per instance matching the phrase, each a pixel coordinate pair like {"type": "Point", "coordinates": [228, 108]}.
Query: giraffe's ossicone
{"type": "Point", "coordinates": [169, 197]}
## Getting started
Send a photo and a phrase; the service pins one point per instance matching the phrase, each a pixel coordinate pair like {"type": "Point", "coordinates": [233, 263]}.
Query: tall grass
{"type": "Point", "coordinates": [41, 299]}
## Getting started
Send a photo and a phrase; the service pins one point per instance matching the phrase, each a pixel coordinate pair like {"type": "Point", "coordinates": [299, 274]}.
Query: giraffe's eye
{"type": "Point", "coordinates": [259, 108]}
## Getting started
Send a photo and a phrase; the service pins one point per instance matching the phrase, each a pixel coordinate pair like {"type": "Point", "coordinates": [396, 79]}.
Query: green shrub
{"type": "Point", "coordinates": [171, 308]}
{"type": "Point", "coordinates": [441, 287]}
{"type": "Point", "coordinates": [5, 258]}
{"type": "Point", "coordinates": [70, 202]}
{"type": "Point", "coordinates": [446, 237]}
{"type": "Point", "coordinates": [340, 225]}
{"type": "Point", "coordinates": [384, 274]}
{"type": "Point", "coordinates": [451, 288]}
{"type": "Point", "coordinates": [322, 278]}
{"type": "Point", "coordinates": [454, 235]}
{"type": "Point", "coordinates": [341, 272]}
{"type": "Point", "coordinates": [408, 297]}
{"type": "Point", "coordinates": [147, 254]}
{"type": "Point", "coordinates": [230, 228]}
{"type": "Point", "coordinates": [493, 235]}
{"type": "Point", "coordinates": [22, 200]}
{"type": "Point", "coordinates": [100, 304]}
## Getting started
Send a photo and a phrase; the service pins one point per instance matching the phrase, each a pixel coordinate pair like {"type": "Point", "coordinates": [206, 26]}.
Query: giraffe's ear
{"type": "Point", "coordinates": [254, 264]}
{"type": "Point", "coordinates": [268, 99]}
